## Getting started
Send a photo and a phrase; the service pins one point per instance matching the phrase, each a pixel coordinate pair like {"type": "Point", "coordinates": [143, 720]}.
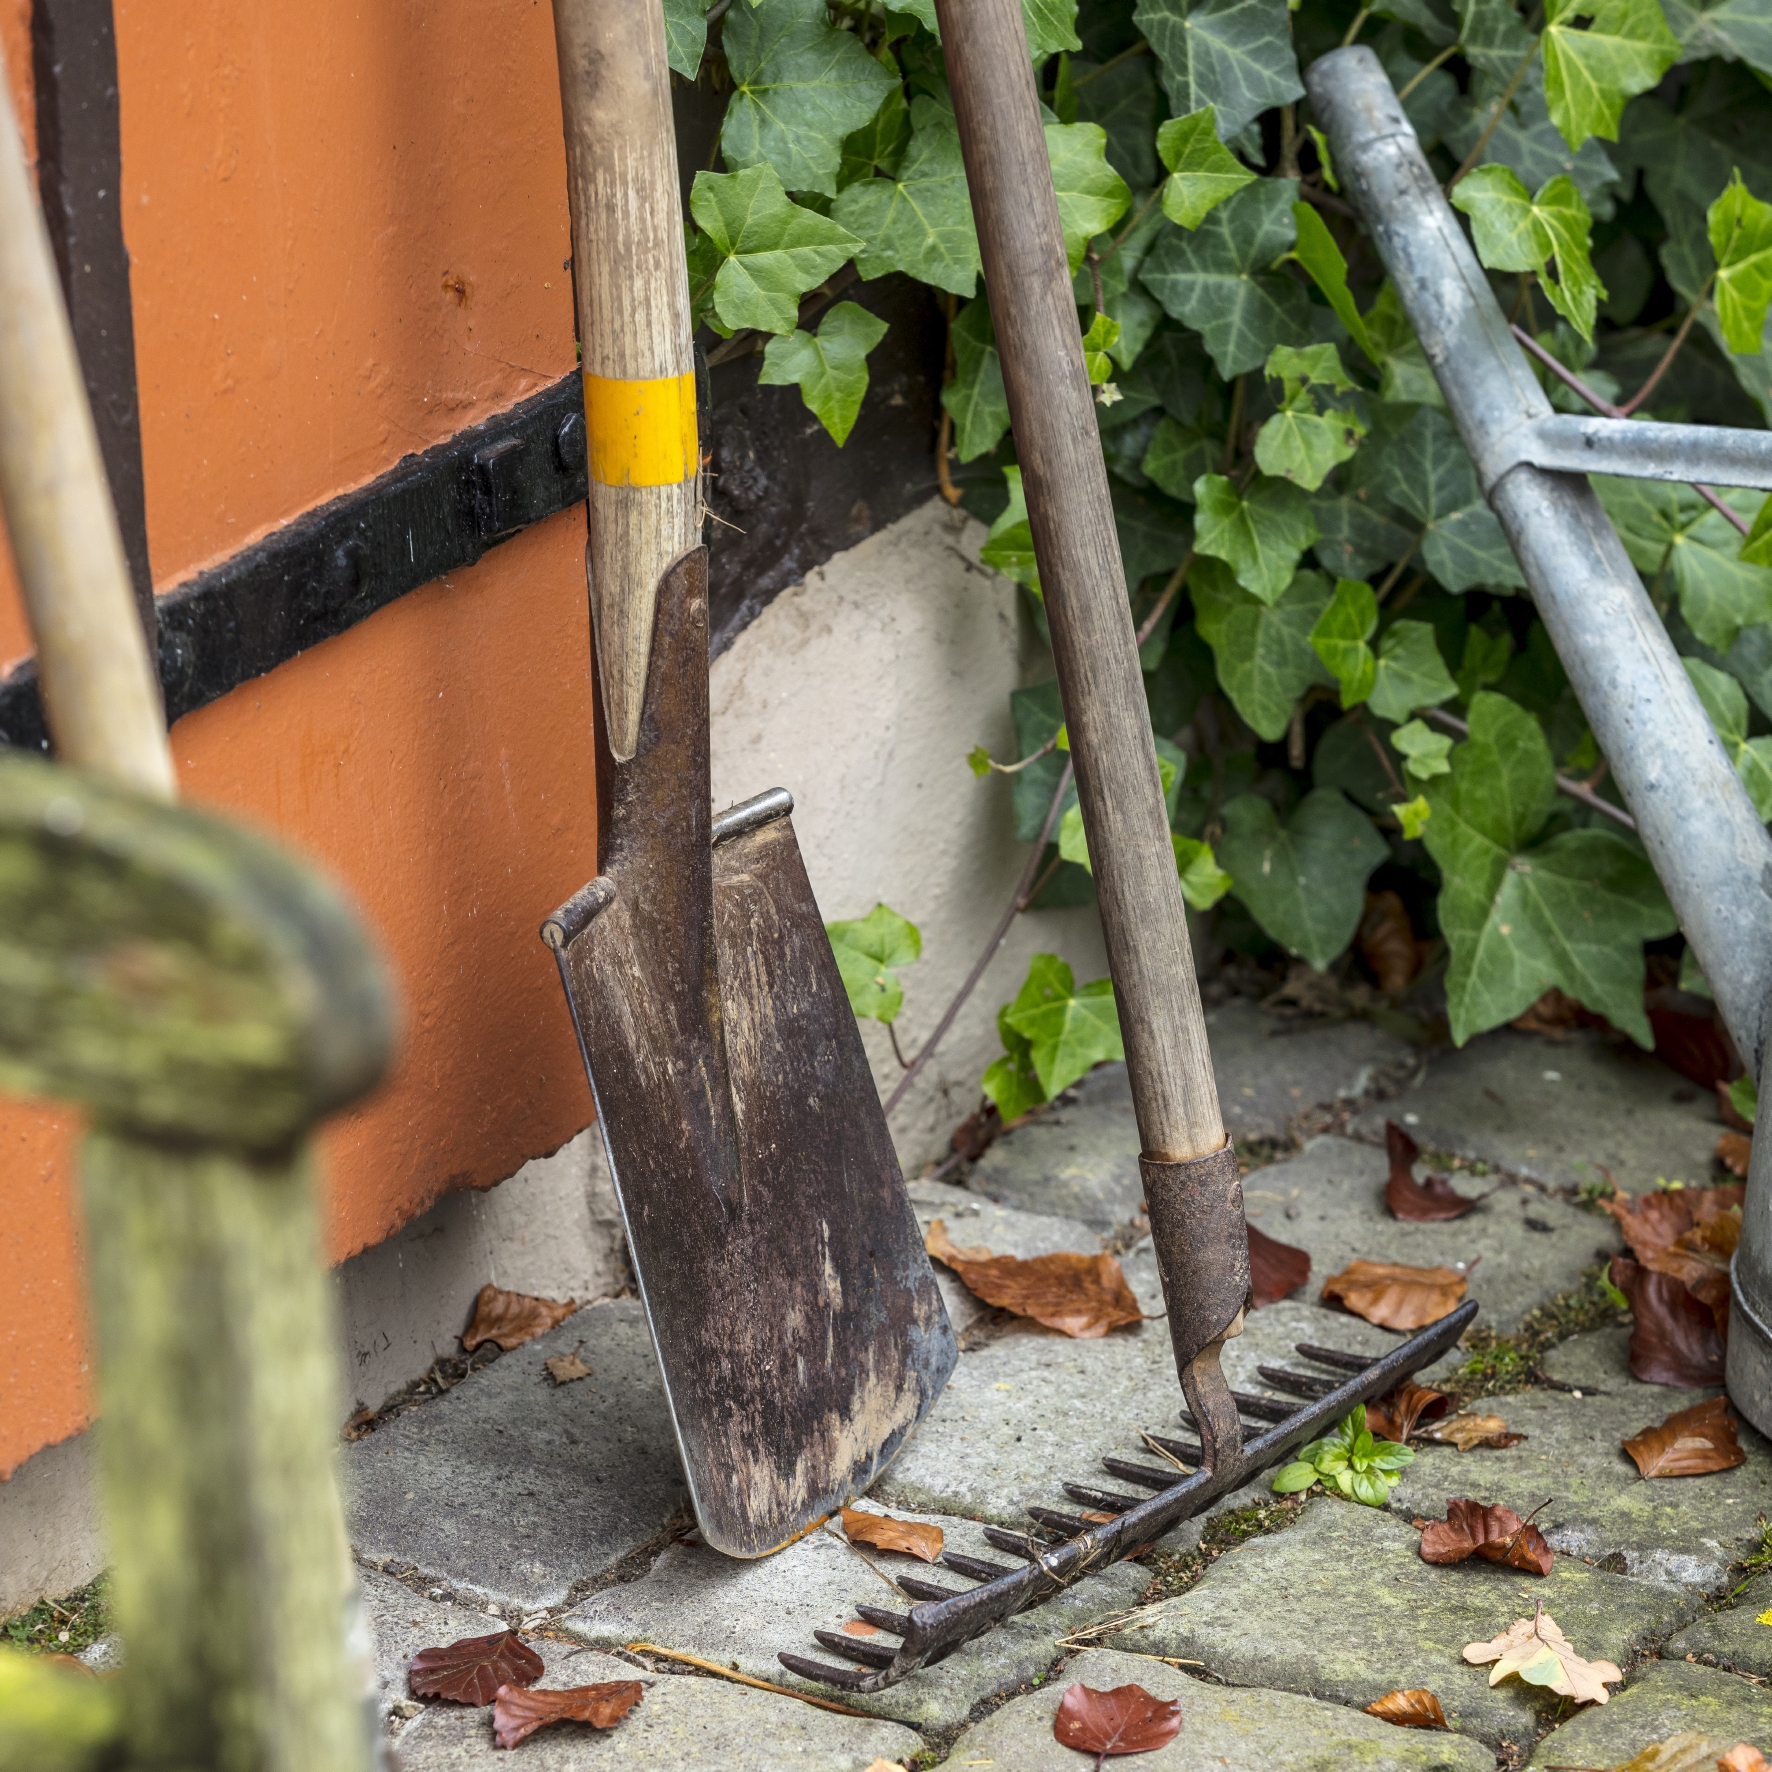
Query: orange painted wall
{"type": "Point", "coordinates": [346, 243]}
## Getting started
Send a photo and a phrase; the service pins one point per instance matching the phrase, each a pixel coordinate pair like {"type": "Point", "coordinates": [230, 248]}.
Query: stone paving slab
{"type": "Point", "coordinates": [1001, 1229]}
{"type": "Point", "coordinates": [1246, 1731]}
{"type": "Point", "coordinates": [1341, 1606]}
{"type": "Point", "coordinates": [1558, 1110]}
{"type": "Point", "coordinates": [743, 1614]}
{"type": "Point", "coordinates": [1683, 1530]}
{"type": "Point", "coordinates": [514, 1489]}
{"type": "Point", "coordinates": [1660, 1699]}
{"type": "Point", "coordinates": [681, 1724]}
{"type": "Point", "coordinates": [402, 1623]}
{"type": "Point", "coordinates": [1081, 1160]}
{"type": "Point", "coordinates": [1734, 1639]}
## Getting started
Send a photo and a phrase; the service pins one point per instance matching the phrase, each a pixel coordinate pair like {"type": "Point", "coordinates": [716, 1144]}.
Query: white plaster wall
{"type": "Point", "coordinates": [861, 691]}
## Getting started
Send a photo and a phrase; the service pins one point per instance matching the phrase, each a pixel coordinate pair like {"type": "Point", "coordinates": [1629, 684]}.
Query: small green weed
{"type": "Point", "coordinates": [1498, 1364]}
{"type": "Point", "coordinates": [1350, 1461]}
{"type": "Point", "coordinates": [63, 1626]}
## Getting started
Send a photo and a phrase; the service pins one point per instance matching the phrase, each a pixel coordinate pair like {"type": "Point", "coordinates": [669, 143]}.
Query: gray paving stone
{"type": "Point", "coordinates": [1081, 1160]}
{"type": "Point", "coordinates": [1660, 1699]}
{"type": "Point", "coordinates": [681, 1724]}
{"type": "Point", "coordinates": [1682, 1530]}
{"type": "Point", "coordinates": [1734, 1639]}
{"type": "Point", "coordinates": [743, 1614]}
{"type": "Point", "coordinates": [1001, 1229]}
{"type": "Point", "coordinates": [1342, 1607]}
{"type": "Point", "coordinates": [1532, 1245]}
{"type": "Point", "coordinates": [1558, 1111]}
{"type": "Point", "coordinates": [401, 1623]}
{"type": "Point", "coordinates": [514, 1489]}
{"type": "Point", "coordinates": [1246, 1731]}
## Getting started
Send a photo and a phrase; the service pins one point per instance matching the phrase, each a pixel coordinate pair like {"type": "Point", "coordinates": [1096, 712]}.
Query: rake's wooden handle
{"type": "Point", "coordinates": [101, 693]}
{"type": "Point", "coordinates": [634, 331]}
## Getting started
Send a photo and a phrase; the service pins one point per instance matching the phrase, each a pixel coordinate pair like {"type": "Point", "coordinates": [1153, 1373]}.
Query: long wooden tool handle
{"type": "Point", "coordinates": [634, 332]}
{"type": "Point", "coordinates": [100, 691]}
{"type": "Point", "coordinates": [1082, 580]}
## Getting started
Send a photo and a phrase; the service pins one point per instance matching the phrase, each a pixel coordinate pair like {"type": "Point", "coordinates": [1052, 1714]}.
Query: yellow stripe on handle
{"type": "Point", "coordinates": [641, 433]}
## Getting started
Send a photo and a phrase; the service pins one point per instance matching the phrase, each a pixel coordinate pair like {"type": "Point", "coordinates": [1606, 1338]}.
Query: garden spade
{"type": "Point", "coordinates": [795, 1316]}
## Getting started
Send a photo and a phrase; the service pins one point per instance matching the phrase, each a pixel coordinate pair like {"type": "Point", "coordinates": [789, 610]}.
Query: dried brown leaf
{"type": "Point", "coordinates": [512, 1318]}
{"type": "Point", "coordinates": [1387, 942]}
{"type": "Point", "coordinates": [1536, 1646]}
{"type": "Point", "coordinates": [1396, 1415]}
{"type": "Point", "coordinates": [1431, 1201]}
{"type": "Point", "coordinates": [1083, 1296]}
{"type": "Point", "coordinates": [1127, 1720]}
{"type": "Point", "coordinates": [472, 1670]}
{"type": "Point", "coordinates": [1276, 1269]}
{"type": "Point", "coordinates": [1743, 1757]}
{"type": "Point", "coordinates": [1690, 1443]}
{"type": "Point", "coordinates": [1466, 1431]}
{"type": "Point", "coordinates": [1653, 1223]}
{"type": "Point", "coordinates": [1415, 1708]}
{"type": "Point", "coordinates": [1556, 1014]}
{"type": "Point", "coordinates": [1496, 1534]}
{"type": "Point", "coordinates": [1394, 1296]}
{"type": "Point", "coordinates": [1735, 1151]}
{"type": "Point", "coordinates": [518, 1713]}
{"type": "Point", "coordinates": [1689, 1037]}
{"type": "Point", "coordinates": [564, 1368]}
{"type": "Point", "coordinates": [883, 1533]}
{"type": "Point", "coordinates": [1674, 1337]}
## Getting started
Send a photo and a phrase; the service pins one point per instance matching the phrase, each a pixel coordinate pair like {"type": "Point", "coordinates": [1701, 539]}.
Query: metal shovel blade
{"type": "Point", "coordinates": [797, 1322]}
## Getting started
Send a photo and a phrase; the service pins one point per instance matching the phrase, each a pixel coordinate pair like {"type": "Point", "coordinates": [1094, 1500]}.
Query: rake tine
{"type": "Point", "coordinates": [899, 1623]}
{"type": "Point", "coordinates": [974, 1568]}
{"type": "Point", "coordinates": [849, 1679]}
{"type": "Point", "coordinates": [1023, 1544]}
{"type": "Point", "coordinates": [1185, 1450]}
{"type": "Point", "coordinates": [927, 1590]}
{"type": "Point", "coordinates": [1103, 1499]}
{"type": "Point", "coordinates": [1066, 1525]}
{"type": "Point", "coordinates": [1301, 1384]}
{"type": "Point", "coordinates": [1147, 1476]}
{"type": "Point", "coordinates": [1262, 1408]}
{"type": "Point", "coordinates": [1334, 1356]}
{"type": "Point", "coordinates": [874, 1654]}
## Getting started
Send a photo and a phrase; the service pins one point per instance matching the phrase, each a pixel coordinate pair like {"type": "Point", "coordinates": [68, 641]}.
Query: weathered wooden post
{"type": "Point", "coordinates": [206, 999]}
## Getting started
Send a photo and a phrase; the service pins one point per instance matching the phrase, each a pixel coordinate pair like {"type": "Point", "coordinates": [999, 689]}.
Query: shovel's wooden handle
{"type": "Point", "coordinates": [634, 332]}
{"type": "Point", "coordinates": [100, 690]}
{"type": "Point", "coordinates": [1052, 410]}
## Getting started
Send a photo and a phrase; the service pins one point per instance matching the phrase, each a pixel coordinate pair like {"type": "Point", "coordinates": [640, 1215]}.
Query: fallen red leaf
{"type": "Point", "coordinates": [1387, 942]}
{"type": "Point", "coordinates": [883, 1533]}
{"type": "Point", "coordinates": [1735, 1151]}
{"type": "Point", "coordinates": [1690, 1443]}
{"type": "Point", "coordinates": [1689, 1038]}
{"type": "Point", "coordinates": [1673, 1339]}
{"type": "Point", "coordinates": [1127, 1720]}
{"type": "Point", "coordinates": [1083, 1296]}
{"type": "Point", "coordinates": [1413, 1709]}
{"type": "Point", "coordinates": [518, 1712]}
{"type": "Point", "coordinates": [1743, 1757]}
{"type": "Point", "coordinates": [1394, 1296]}
{"type": "Point", "coordinates": [1395, 1415]}
{"type": "Point", "coordinates": [472, 1670]}
{"type": "Point", "coordinates": [512, 1318]}
{"type": "Point", "coordinates": [1276, 1269]}
{"type": "Point", "coordinates": [1431, 1201]}
{"type": "Point", "coordinates": [1496, 1534]}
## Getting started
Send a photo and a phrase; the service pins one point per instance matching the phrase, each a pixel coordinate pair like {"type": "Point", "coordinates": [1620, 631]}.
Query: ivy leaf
{"type": "Point", "coordinates": [1235, 55]}
{"type": "Point", "coordinates": [1525, 138]}
{"type": "Point", "coordinates": [1177, 455]}
{"type": "Point", "coordinates": [1740, 227]}
{"type": "Point", "coordinates": [1069, 1030]}
{"type": "Point", "coordinates": [1263, 652]}
{"type": "Point", "coordinates": [1011, 1081]}
{"type": "Point", "coordinates": [1410, 672]}
{"type": "Point", "coordinates": [1124, 102]}
{"type": "Point", "coordinates": [1736, 30]}
{"type": "Point", "coordinates": [1573, 912]}
{"type": "Point", "coordinates": [1259, 532]}
{"type": "Point", "coordinates": [1491, 36]}
{"type": "Point", "coordinates": [920, 220]}
{"type": "Point", "coordinates": [1322, 260]}
{"type": "Point", "coordinates": [800, 87]}
{"type": "Point", "coordinates": [1666, 527]}
{"type": "Point", "coordinates": [1051, 25]}
{"type": "Point", "coordinates": [1515, 232]}
{"type": "Point", "coordinates": [879, 143]}
{"type": "Point", "coordinates": [1217, 279]}
{"type": "Point", "coordinates": [1354, 540]}
{"type": "Point", "coordinates": [1427, 471]}
{"type": "Point", "coordinates": [1202, 170]}
{"type": "Point", "coordinates": [1429, 20]}
{"type": "Point", "coordinates": [976, 396]}
{"type": "Point", "coordinates": [1598, 53]}
{"type": "Point", "coordinates": [770, 251]}
{"type": "Point", "coordinates": [686, 35]}
{"type": "Point", "coordinates": [1756, 545]}
{"type": "Point", "coordinates": [1408, 377]}
{"type": "Point", "coordinates": [830, 369]}
{"type": "Point", "coordinates": [1413, 815]}
{"type": "Point", "coordinates": [1203, 881]}
{"type": "Point", "coordinates": [1304, 882]}
{"type": "Point", "coordinates": [1340, 636]}
{"type": "Point", "coordinates": [1725, 701]}
{"type": "Point", "coordinates": [869, 952]}
{"type": "Point", "coordinates": [1103, 333]}
{"type": "Point", "coordinates": [1307, 435]}
{"type": "Point", "coordinates": [1423, 750]}
{"type": "Point", "coordinates": [1009, 548]}
{"type": "Point", "coordinates": [1091, 195]}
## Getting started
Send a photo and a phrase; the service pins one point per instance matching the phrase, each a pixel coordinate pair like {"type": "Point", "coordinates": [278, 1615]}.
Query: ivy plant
{"type": "Point", "coordinates": [1348, 686]}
